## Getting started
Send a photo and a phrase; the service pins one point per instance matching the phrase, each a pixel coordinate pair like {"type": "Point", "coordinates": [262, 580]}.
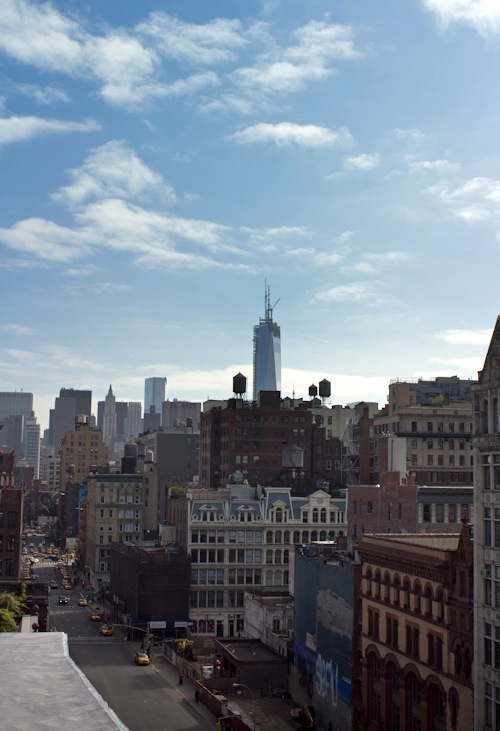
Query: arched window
{"type": "Point", "coordinates": [440, 606]}
{"type": "Point", "coordinates": [322, 516]}
{"type": "Point", "coordinates": [454, 707]}
{"type": "Point", "coordinates": [451, 444]}
{"type": "Point", "coordinates": [277, 556]}
{"type": "Point", "coordinates": [269, 536]}
{"type": "Point", "coordinates": [406, 593]}
{"type": "Point", "coordinates": [269, 578]}
{"type": "Point", "coordinates": [378, 581]}
{"type": "Point", "coordinates": [278, 537]}
{"type": "Point", "coordinates": [278, 515]}
{"type": "Point", "coordinates": [286, 556]}
{"type": "Point", "coordinates": [368, 579]}
{"type": "Point", "coordinates": [428, 601]}
{"type": "Point", "coordinates": [296, 537]}
{"type": "Point", "coordinates": [314, 535]}
{"type": "Point", "coordinates": [286, 537]}
{"type": "Point", "coordinates": [305, 536]}
{"type": "Point", "coordinates": [387, 588]}
{"type": "Point", "coordinates": [413, 703]}
{"type": "Point", "coordinates": [417, 591]}
{"type": "Point", "coordinates": [495, 415]}
{"type": "Point", "coordinates": [315, 515]}
{"type": "Point", "coordinates": [269, 556]}
{"type": "Point", "coordinates": [397, 590]}
{"type": "Point", "coordinates": [374, 687]}
{"type": "Point", "coordinates": [278, 578]}
{"type": "Point", "coordinates": [322, 535]}
{"type": "Point", "coordinates": [393, 716]}
{"type": "Point", "coordinates": [436, 708]}
{"type": "Point", "coordinates": [485, 417]}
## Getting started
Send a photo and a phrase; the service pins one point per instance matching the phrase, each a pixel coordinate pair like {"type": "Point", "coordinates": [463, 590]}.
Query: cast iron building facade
{"type": "Point", "coordinates": [487, 540]}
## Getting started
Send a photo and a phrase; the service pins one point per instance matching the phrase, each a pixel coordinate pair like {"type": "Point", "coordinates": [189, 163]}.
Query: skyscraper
{"type": "Point", "coordinates": [69, 404]}
{"type": "Point", "coordinates": [109, 419]}
{"type": "Point", "coordinates": [154, 393]}
{"type": "Point", "coordinates": [266, 352]}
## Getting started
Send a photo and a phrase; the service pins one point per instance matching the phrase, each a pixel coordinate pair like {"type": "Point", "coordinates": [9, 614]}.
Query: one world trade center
{"type": "Point", "coordinates": [266, 352]}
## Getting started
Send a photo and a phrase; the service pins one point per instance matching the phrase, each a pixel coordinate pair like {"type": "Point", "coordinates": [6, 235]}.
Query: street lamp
{"type": "Point", "coordinates": [239, 690]}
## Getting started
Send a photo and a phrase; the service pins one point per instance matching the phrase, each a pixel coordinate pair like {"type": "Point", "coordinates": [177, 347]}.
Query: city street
{"type": "Point", "coordinates": [143, 697]}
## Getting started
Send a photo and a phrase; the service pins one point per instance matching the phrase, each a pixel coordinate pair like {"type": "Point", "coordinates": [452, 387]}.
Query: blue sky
{"type": "Point", "coordinates": [161, 161]}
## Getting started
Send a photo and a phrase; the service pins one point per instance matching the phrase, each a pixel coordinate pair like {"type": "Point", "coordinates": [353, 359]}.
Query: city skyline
{"type": "Point", "coordinates": [159, 166]}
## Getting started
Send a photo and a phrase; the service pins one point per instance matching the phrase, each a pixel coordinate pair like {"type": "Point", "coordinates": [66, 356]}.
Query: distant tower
{"type": "Point", "coordinates": [109, 419]}
{"type": "Point", "coordinates": [266, 352]}
{"type": "Point", "coordinates": [154, 393]}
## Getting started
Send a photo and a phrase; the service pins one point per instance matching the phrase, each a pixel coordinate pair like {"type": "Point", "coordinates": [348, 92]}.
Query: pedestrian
{"type": "Point", "coordinates": [181, 680]}
{"type": "Point", "coordinates": [197, 696]}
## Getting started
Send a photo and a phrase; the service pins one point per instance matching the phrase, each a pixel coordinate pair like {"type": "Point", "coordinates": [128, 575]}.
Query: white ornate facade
{"type": "Point", "coordinates": [242, 538]}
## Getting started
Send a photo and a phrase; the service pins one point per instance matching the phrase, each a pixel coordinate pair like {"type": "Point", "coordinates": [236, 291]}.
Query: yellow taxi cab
{"type": "Point", "coordinates": [142, 658]}
{"type": "Point", "coordinates": [107, 630]}
{"type": "Point", "coordinates": [82, 602]}
{"type": "Point", "coordinates": [95, 616]}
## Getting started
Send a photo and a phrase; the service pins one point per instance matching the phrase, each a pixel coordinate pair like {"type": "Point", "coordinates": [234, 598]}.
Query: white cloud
{"type": "Point", "coordinates": [482, 15]}
{"type": "Point", "coordinates": [44, 94]}
{"type": "Point", "coordinates": [434, 166]}
{"type": "Point", "coordinates": [19, 129]}
{"type": "Point", "coordinates": [285, 134]}
{"type": "Point", "coordinates": [290, 68]}
{"type": "Point", "coordinates": [475, 201]}
{"type": "Point", "coordinates": [45, 240]}
{"type": "Point", "coordinates": [354, 292]}
{"type": "Point", "coordinates": [465, 337]}
{"type": "Point", "coordinates": [368, 161]}
{"type": "Point", "coordinates": [16, 329]}
{"type": "Point", "coordinates": [210, 43]}
{"type": "Point", "coordinates": [112, 171]}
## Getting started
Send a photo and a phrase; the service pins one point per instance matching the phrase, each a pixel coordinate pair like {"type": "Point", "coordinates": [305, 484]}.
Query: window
{"type": "Point", "coordinates": [369, 508]}
{"type": "Point", "coordinates": [412, 641]}
{"type": "Point", "coordinates": [391, 631]}
{"type": "Point", "coordinates": [373, 623]}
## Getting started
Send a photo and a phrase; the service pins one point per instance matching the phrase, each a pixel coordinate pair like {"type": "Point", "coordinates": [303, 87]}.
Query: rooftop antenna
{"type": "Point", "coordinates": [267, 295]}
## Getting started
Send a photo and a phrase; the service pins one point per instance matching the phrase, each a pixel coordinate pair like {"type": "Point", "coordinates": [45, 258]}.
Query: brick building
{"type": "Point", "coordinates": [417, 632]}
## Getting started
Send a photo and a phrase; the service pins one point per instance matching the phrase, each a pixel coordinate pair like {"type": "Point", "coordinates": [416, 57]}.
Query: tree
{"type": "Point", "coordinates": [12, 607]}
{"type": "Point", "coordinates": [7, 621]}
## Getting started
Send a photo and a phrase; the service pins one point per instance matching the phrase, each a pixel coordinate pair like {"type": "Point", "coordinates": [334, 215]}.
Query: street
{"type": "Point", "coordinates": [143, 697]}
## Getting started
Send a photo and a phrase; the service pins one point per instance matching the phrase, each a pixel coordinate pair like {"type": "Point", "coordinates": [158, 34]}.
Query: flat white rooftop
{"type": "Point", "coordinates": [42, 688]}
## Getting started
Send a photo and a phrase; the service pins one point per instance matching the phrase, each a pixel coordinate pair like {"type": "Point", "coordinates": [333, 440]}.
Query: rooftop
{"type": "Point", "coordinates": [32, 702]}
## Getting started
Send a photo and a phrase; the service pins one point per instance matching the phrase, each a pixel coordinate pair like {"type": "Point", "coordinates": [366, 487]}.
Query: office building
{"type": "Point", "coordinates": [154, 393]}
{"type": "Point", "coordinates": [325, 669]}
{"type": "Point", "coordinates": [82, 451]}
{"type": "Point", "coordinates": [431, 423]}
{"type": "Point", "coordinates": [417, 632]}
{"type": "Point", "coordinates": [109, 420]}
{"type": "Point", "coordinates": [120, 508]}
{"type": "Point", "coordinates": [11, 524]}
{"type": "Point", "coordinates": [181, 414]}
{"type": "Point", "coordinates": [32, 445]}
{"type": "Point", "coordinates": [487, 540]}
{"type": "Point", "coordinates": [132, 423]}
{"type": "Point", "coordinates": [15, 402]}
{"type": "Point", "coordinates": [266, 352]}
{"type": "Point", "coordinates": [68, 405]}
{"type": "Point", "coordinates": [241, 537]}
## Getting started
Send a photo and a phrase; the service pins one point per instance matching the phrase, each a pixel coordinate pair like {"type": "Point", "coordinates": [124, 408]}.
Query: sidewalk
{"type": "Point", "coordinates": [272, 714]}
